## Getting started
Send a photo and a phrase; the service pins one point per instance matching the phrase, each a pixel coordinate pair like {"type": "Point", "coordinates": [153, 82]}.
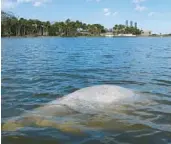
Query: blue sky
{"type": "Point", "coordinates": [152, 15]}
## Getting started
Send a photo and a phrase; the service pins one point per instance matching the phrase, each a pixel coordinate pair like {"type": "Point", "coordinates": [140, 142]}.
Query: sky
{"type": "Point", "coordinates": [154, 15]}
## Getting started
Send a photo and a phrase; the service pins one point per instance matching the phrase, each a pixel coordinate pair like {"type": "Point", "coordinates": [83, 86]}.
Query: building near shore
{"type": "Point", "coordinates": [135, 24]}
{"type": "Point", "coordinates": [146, 33]}
{"type": "Point", "coordinates": [131, 23]}
{"type": "Point", "coordinates": [126, 35]}
{"type": "Point", "coordinates": [108, 34]}
{"type": "Point", "coordinates": [126, 23]}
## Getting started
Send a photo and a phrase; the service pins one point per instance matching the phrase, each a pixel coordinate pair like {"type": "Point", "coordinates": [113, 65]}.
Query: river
{"type": "Point", "coordinates": [36, 71]}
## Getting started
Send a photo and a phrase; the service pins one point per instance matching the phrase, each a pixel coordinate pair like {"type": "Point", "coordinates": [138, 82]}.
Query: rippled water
{"type": "Point", "coordinates": [36, 71]}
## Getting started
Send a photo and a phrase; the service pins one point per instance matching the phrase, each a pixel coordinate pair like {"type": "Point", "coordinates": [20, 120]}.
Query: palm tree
{"type": "Point", "coordinates": [22, 27]}
{"type": "Point", "coordinates": [47, 26]}
{"type": "Point", "coordinates": [14, 25]}
{"type": "Point", "coordinates": [116, 29]}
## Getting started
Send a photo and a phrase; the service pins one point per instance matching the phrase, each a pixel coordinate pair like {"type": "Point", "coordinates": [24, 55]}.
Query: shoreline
{"type": "Point", "coordinates": [82, 36]}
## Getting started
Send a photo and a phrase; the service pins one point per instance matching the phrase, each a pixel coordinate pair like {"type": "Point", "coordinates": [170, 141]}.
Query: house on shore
{"type": "Point", "coordinates": [107, 34]}
{"type": "Point", "coordinates": [126, 35]}
{"type": "Point", "coordinates": [146, 33]}
{"type": "Point", "coordinates": [83, 32]}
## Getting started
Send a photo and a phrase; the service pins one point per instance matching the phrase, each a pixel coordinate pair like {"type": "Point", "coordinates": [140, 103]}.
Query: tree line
{"type": "Point", "coordinates": [122, 29]}
{"type": "Point", "coordinates": [13, 26]}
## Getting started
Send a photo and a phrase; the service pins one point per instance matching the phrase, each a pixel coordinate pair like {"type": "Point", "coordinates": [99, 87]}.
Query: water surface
{"type": "Point", "coordinates": [38, 70]}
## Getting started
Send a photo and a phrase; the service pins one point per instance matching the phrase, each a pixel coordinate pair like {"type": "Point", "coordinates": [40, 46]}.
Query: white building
{"type": "Point", "coordinates": [108, 34]}
{"type": "Point", "coordinates": [126, 35]}
{"type": "Point", "coordinates": [146, 33]}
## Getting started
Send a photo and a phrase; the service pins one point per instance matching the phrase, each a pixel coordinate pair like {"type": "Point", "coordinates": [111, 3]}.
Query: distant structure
{"type": "Point", "coordinates": [131, 23]}
{"type": "Point", "coordinates": [110, 30]}
{"type": "Point", "coordinates": [135, 24]}
{"type": "Point", "coordinates": [146, 33]}
{"type": "Point", "coordinates": [107, 34]}
{"type": "Point", "coordinates": [126, 23]}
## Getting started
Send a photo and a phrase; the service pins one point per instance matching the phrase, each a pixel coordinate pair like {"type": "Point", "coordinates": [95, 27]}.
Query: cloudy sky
{"type": "Point", "coordinates": [152, 15]}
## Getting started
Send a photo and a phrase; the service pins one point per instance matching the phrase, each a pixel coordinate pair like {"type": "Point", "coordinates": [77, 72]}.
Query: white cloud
{"type": "Point", "coordinates": [151, 14]}
{"type": "Point", "coordinates": [140, 8]}
{"type": "Point", "coordinates": [93, 0]}
{"type": "Point", "coordinates": [138, 1]}
{"type": "Point", "coordinates": [9, 4]}
{"type": "Point", "coordinates": [37, 4]}
{"type": "Point", "coordinates": [115, 13]}
{"type": "Point", "coordinates": [107, 13]}
{"type": "Point", "coordinates": [24, 1]}
{"type": "Point", "coordinates": [106, 10]}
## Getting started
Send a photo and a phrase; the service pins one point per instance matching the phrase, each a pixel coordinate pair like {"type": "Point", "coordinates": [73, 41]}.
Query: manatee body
{"type": "Point", "coordinates": [66, 113]}
{"type": "Point", "coordinates": [96, 98]}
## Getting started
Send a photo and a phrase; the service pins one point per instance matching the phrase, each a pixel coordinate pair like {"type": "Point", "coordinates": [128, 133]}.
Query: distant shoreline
{"type": "Point", "coordinates": [81, 36]}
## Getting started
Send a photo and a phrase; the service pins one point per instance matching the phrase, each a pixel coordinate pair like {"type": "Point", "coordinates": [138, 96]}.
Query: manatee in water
{"type": "Point", "coordinates": [90, 107]}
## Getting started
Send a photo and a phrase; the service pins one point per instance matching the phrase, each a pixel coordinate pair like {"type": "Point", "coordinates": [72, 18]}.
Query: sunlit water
{"type": "Point", "coordinates": [37, 71]}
